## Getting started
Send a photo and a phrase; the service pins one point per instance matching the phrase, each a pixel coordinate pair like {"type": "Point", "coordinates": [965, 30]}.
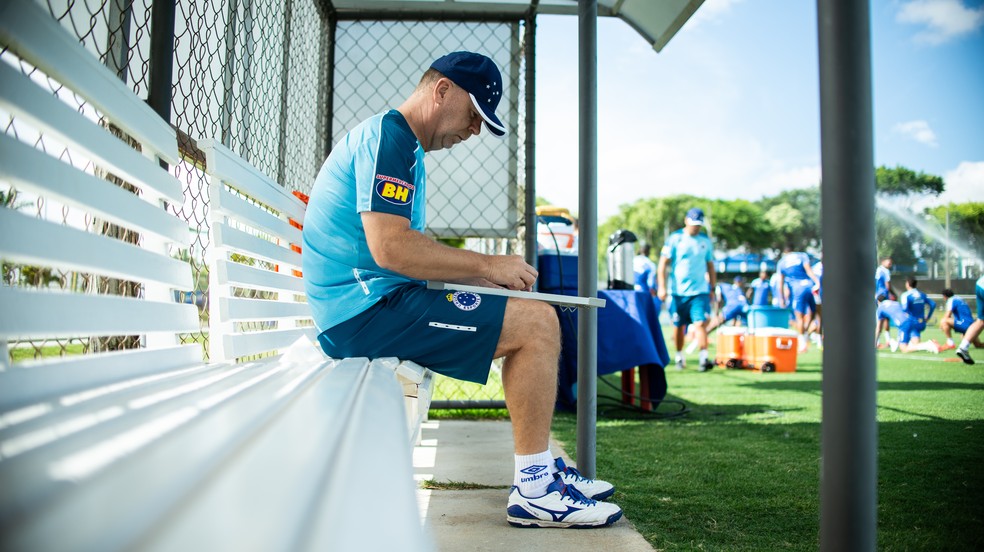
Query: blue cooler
{"type": "Point", "coordinates": [551, 267]}
{"type": "Point", "coordinates": [762, 316]}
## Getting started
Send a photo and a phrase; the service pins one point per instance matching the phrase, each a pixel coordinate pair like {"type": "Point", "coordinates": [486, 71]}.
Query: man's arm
{"type": "Point", "coordinates": [397, 247]}
{"type": "Point", "coordinates": [661, 277]}
{"type": "Point", "coordinates": [932, 308]}
{"type": "Point", "coordinates": [781, 284]}
{"type": "Point", "coordinates": [712, 277]}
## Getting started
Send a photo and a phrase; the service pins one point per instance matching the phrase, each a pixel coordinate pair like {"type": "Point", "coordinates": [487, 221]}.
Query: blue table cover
{"type": "Point", "coordinates": [629, 335]}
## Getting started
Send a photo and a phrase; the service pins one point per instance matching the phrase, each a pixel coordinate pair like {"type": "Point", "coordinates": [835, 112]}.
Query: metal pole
{"type": "Point", "coordinates": [530, 197]}
{"type": "Point", "coordinates": [946, 264]}
{"type": "Point", "coordinates": [587, 257]}
{"type": "Point", "coordinates": [284, 95]}
{"type": "Point", "coordinates": [161, 58]}
{"type": "Point", "coordinates": [849, 433]}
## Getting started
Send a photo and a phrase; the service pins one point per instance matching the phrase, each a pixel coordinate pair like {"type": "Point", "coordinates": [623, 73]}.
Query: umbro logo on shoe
{"type": "Point", "coordinates": [533, 470]}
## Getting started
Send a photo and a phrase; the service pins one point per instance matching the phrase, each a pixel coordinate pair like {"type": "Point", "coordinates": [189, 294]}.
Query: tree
{"type": "Point", "coordinates": [739, 223]}
{"type": "Point", "coordinates": [806, 201]}
{"type": "Point", "coordinates": [901, 181]}
{"type": "Point", "coordinates": [786, 220]}
{"type": "Point", "coordinates": [895, 236]}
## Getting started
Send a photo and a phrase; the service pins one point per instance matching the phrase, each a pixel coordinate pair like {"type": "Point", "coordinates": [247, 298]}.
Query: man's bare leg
{"type": "Point", "coordinates": [530, 341]}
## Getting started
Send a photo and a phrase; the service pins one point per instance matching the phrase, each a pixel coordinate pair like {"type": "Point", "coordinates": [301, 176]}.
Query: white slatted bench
{"type": "Point", "coordinates": [255, 254]}
{"type": "Point", "coordinates": [152, 448]}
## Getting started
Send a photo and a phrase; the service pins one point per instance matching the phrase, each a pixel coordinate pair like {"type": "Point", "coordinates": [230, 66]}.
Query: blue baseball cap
{"type": "Point", "coordinates": [479, 76]}
{"type": "Point", "coordinates": [695, 217]}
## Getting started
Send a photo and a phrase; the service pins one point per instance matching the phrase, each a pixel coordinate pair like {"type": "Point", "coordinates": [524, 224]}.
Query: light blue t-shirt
{"type": "Point", "coordinates": [793, 268]}
{"type": "Point", "coordinates": [378, 166]}
{"type": "Point", "coordinates": [893, 311]}
{"type": "Point", "coordinates": [883, 278]}
{"type": "Point", "coordinates": [689, 256]}
{"type": "Point", "coordinates": [761, 291]}
{"type": "Point", "coordinates": [915, 302]}
{"type": "Point", "coordinates": [960, 310]}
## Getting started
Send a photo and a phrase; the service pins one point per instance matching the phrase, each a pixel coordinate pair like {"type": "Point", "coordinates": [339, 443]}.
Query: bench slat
{"type": "Point", "coordinates": [34, 315]}
{"type": "Point", "coordinates": [241, 310]}
{"type": "Point", "coordinates": [226, 203]}
{"type": "Point", "coordinates": [224, 236]}
{"type": "Point", "coordinates": [252, 343]}
{"type": "Point", "coordinates": [185, 437]}
{"type": "Point", "coordinates": [309, 471]}
{"type": "Point", "coordinates": [239, 174]}
{"type": "Point", "coordinates": [378, 475]}
{"type": "Point", "coordinates": [36, 36]}
{"type": "Point", "coordinates": [30, 240]}
{"type": "Point", "coordinates": [30, 382]}
{"type": "Point", "coordinates": [31, 103]}
{"type": "Point", "coordinates": [32, 170]}
{"type": "Point", "coordinates": [241, 275]}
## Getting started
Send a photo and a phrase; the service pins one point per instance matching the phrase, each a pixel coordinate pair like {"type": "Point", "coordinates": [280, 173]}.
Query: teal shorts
{"type": "Point", "coordinates": [454, 333]}
{"type": "Point", "coordinates": [690, 309]}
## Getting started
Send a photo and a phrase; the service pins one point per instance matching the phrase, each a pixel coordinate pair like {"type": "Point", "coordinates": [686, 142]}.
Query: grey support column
{"type": "Point", "coordinates": [587, 261]}
{"type": "Point", "coordinates": [848, 497]}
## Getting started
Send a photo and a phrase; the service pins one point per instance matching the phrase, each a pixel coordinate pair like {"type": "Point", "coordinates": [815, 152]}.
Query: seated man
{"type": "Point", "coordinates": [957, 316]}
{"type": "Point", "coordinates": [974, 330]}
{"type": "Point", "coordinates": [732, 304]}
{"type": "Point", "coordinates": [366, 261]}
{"type": "Point", "coordinates": [892, 311]}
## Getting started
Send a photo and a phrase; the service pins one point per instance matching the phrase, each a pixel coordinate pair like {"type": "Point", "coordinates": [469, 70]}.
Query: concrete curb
{"type": "Point", "coordinates": [481, 453]}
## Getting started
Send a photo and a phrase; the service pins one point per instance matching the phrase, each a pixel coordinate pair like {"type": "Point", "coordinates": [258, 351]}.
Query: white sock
{"type": "Point", "coordinates": [534, 472]}
{"type": "Point", "coordinates": [949, 342]}
{"type": "Point", "coordinates": [679, 357]}
{"type": "Point", "coordinates": [964, 345]}
{"type": "Point", "coordinates": [703, 356]}
{"type": "Point", "coordinates": [928, 346]}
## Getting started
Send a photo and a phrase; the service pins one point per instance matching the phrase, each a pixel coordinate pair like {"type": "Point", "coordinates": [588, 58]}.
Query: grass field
{"type": "Point", "coordinates": [741, 470]}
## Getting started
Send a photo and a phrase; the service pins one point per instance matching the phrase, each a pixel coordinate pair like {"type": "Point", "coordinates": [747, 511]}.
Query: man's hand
{"type": "Point", "coordinates": [661, 293]}
{"type": "Point", "coordinates": [511, 272]}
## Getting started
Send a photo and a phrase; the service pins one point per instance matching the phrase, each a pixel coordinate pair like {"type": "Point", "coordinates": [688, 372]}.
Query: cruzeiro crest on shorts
{"type": "Point", "coordinates": [465, 300]}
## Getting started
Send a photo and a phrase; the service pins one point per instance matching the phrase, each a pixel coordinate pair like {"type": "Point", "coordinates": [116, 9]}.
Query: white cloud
{"type": "Point", "coordinates": [918, 131]}
{"type": "Point", "coordinates": [964, 183]}
{"type": "Point", "coordinates": [943, 19]}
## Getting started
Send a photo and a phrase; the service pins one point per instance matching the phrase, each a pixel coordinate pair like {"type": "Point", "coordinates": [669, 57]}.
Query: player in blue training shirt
{"type": "Point", "coordinates": [760, 290]}
{"type": "Point", "coordinates": [816, 328]}
{"type": "Point", "coordinates": [915, 302]}
{"type": "Point", "coordinates": [691, 254]}
{"type": "Point", "coordinates": [957, 316]}
{"type": "Point", "coordinates": [732, 304]}
{"type": "Point", "coordinates": [795, 269]}
{"type": "Point", "coordinates": [644, 270]}
{"type": "Point", "coordinates": [891, 311]}
{"type": "Point", "coordinates": [883, 280]}
{"type": "Point", "coordinates": [974, 330]}
{"type": "Point", "coordinates": [366, 259]}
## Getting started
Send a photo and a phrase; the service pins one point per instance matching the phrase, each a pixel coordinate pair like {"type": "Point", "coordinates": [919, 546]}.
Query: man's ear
{"type": "Point", "coordinates": [441, 90]}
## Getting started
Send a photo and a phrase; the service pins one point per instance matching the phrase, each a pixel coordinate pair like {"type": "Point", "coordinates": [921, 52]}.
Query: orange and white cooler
{"type": "Point", "coordinates": [771, 350]}
{"type": "Point", "coordinates": [730, 346]}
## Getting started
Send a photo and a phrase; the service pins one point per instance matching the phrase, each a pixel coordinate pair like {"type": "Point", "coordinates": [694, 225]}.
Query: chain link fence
{"type": "Point", "coordinates": [279, 82]}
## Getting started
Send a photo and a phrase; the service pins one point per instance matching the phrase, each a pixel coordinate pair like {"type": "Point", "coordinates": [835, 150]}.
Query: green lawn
{"type": "Point", "coordinates": [741, 470]}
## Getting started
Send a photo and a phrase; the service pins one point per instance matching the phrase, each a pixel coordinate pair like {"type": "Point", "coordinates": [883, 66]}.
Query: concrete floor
{"type": "Point", "coordinates": [481, 452]}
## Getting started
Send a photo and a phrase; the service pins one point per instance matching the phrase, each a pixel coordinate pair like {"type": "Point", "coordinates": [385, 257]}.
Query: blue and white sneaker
{"type": "Point", "coordinates": [562, 506]}
{"type": "Point", "coordinates": [595, 489]}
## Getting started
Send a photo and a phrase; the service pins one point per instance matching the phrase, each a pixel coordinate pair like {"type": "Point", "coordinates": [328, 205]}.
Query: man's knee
{"type": "Point", "coordinates": [529, 323]}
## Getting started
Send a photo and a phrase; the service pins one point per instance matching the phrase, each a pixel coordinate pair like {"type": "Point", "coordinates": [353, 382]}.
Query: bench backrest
{"type": "Point", "coordinates": [70, 244]}
{"type": "Point", "coordinates": [256, 294]}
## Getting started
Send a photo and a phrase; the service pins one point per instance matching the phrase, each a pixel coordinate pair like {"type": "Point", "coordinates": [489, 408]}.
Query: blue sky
{"type": "Point", "coordinates": [730, 107]}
